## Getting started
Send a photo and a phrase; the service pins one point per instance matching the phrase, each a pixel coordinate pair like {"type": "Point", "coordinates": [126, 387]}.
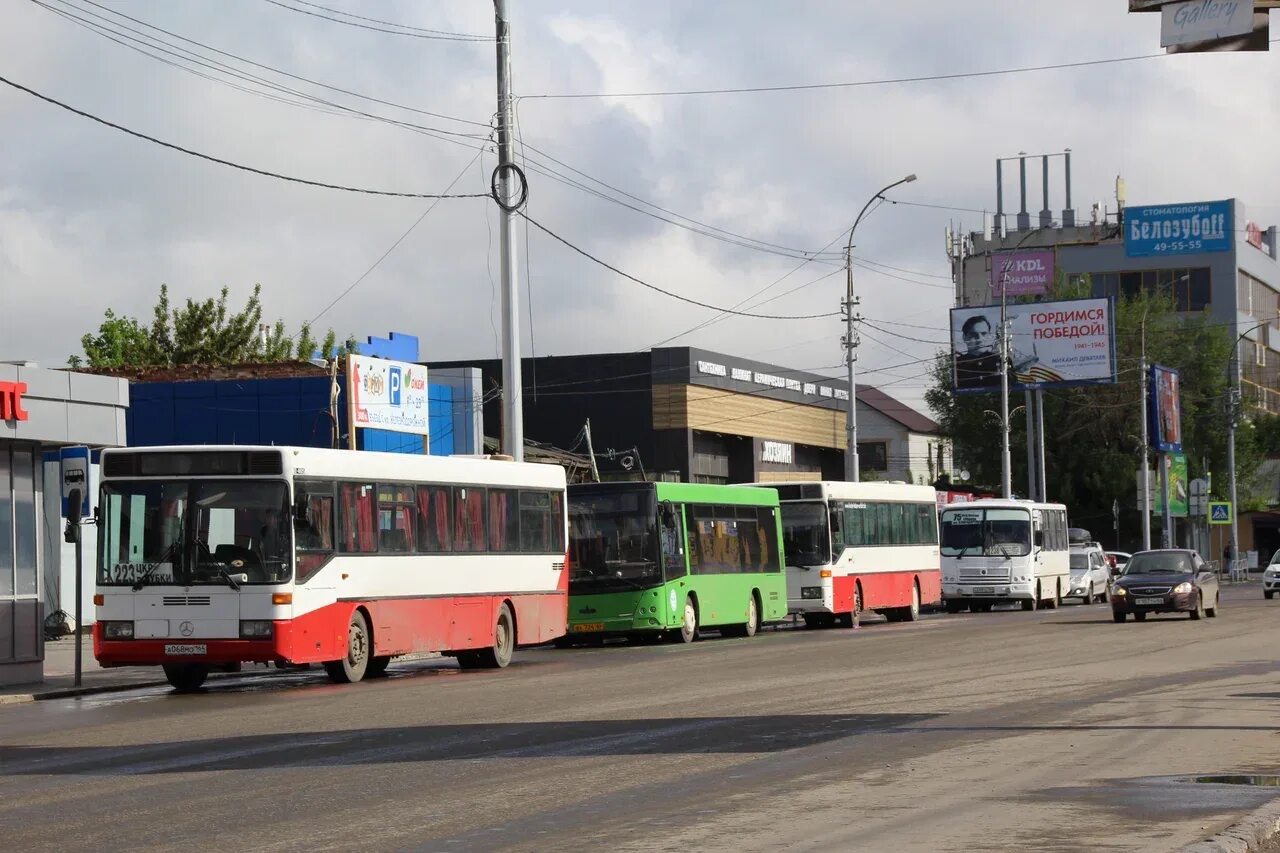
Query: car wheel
{"type": "Point", "coordinates": [1139, 617]}
{"type": "Point", "coordinates": [1212, 612]}
{"type": "Point", "coordinates": [1268, 593]}
{"type": "Point", "coordinates": [1198, 613]}
{"type": "Point", "coordinates": [1118, 617]}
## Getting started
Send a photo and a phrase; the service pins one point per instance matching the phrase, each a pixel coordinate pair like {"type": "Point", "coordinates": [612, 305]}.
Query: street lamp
{"type": "Point", "coordinates": [1233, 402]}
{"type": "Point", "coordinates": [851, 467]}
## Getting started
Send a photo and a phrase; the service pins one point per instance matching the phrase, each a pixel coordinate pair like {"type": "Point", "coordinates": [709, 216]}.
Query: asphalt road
{"type": "Point", "coordinates": [1053, 730]}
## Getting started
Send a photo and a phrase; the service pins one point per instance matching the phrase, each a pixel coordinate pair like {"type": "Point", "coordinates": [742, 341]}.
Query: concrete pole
{"type": "Point", "coordinates": [1029, 404]}
{"type": "Point", "coordinates": [1041, 478]}
{"type": "Point", "coordinates": [1146, 472]}
{"type": "Point", "coordinates": [1006, 461]}
{"type": "Point", "coordinates": [508, 192]}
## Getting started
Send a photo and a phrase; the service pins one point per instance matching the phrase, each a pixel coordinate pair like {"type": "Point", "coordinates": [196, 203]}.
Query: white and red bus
{"type": "Point", "coordinates": [857, 547]}
{"type": "Point", "coordinates": [211, 556]}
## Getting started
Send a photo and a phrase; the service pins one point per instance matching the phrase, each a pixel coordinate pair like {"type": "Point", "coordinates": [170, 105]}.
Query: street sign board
{"type": "Point", "coordinates": [74, 463]}
{"type": "Point", "coordinates": [1196, 21]}
{"type": "Point", "coordinates": [1219, 512]}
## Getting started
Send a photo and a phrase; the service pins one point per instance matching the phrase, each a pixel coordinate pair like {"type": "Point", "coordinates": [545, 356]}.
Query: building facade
{"type": "Point", "coordinates": [686, 414]}
{"type": "Point", "coordinates": [41, 410]}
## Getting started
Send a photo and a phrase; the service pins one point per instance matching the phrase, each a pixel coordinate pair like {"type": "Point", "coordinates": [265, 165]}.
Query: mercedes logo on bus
{"type": "Point", "coordinates": [186, 629]}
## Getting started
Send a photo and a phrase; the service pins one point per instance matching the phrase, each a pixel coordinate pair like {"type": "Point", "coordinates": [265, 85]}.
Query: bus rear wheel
{"type": "Point", "coordinates": [355, 663]}
{"type": "Point", "coordinates": [185, 677]}
{"type": "Point", "coordinates": [498, 655]}
{"type": "Point", "coordinates": [911, 612]}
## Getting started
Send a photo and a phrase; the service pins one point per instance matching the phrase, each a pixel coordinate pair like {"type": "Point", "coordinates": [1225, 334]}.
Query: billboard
{"type": "Point", "coordinates": [1026, 273]}
{"type": "Point", "coordinates": [389, 395]}
{"type": "Point", "coordinates": [1051, 344]}
{"type": "Point", "coordinates": [1177, 229]}
{"type": "Point", "coordinates": [1165, 409]}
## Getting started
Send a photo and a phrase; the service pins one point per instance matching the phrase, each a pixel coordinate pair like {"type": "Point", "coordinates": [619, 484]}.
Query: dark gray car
{"type": "Point", "coordinates": [1165, 581]}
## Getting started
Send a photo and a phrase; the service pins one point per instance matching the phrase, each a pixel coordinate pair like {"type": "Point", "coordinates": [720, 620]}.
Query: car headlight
{"type": "Point", "coordinates": [1120, 591]}
{"type": "Point", "coordinates": [1183, 587]}
{"type": "Point", "coordinates": [117, 630]}
{"type": "Point", "coordinates": [255, 629]}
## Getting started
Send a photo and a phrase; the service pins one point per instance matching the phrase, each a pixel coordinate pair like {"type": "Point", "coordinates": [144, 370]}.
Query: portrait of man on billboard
{"type": "Point", "coordinates": [977, 357]}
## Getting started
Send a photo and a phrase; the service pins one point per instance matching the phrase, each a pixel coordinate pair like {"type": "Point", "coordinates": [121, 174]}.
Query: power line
{"type": "Point", "coordinates": [394, 32]}
{"type": "Point", "coordinates": [233, 165]}
{"type": "Point", "coordinates": [653, 287]}
{"type": "Point", "coordinates": [260, 65]}
{"type": "Point", "coordinates": [474, 36]}
{"type": "Point", "coordinates": [962, 75]}
{"type": "Point", "coordinates": [396, 244]}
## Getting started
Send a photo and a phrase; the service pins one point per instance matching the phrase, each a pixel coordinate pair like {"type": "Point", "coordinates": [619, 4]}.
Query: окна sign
{"type": "Point", "coordinates": [11, 401]}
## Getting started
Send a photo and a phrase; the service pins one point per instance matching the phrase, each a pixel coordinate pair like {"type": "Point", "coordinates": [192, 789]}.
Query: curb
{"type": "Point", "coordinates": [1245, 836]}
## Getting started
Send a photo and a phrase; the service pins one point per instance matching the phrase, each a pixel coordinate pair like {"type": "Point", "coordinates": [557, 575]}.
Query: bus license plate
{"type": "Point", "coordinates": [588, 627]}
{"type": "Point", "coordinates": [985, 590]}
{"type": "Point", "coordinates": [1145, 601]}
{"type": "Point", "coordinates": [190, 649]}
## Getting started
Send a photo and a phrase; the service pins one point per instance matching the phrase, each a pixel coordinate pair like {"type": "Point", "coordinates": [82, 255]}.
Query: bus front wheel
{"type": "Point", "coordinates": [185, 677]}
{"type": "Point", "coordinates": [351, 668]}
{"type": "Point", "coordinates": [689, 621]}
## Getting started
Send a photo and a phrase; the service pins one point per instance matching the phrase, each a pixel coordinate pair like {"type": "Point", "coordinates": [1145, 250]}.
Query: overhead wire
{"type": "Point", "coordinates": [653, 287]}
{"type": "Point", "coordinates": [229, 163]}
{"type": "Point", "coordinates": [474, 36]}
{"type": "Point", "coordinates": [388, 30]}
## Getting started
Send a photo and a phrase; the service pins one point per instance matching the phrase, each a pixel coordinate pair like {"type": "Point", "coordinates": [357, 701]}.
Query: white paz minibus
{"type": "Point", "coordinates": [997, 551]}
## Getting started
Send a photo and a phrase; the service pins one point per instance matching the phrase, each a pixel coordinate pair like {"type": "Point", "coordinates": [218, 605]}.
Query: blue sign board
{"type": "Point", "coordinates": [1177, 229]}
{"type": "Point", "coordinates": [74, 465]}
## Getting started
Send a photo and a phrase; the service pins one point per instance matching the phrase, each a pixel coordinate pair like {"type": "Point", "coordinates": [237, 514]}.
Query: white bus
{"type": "Point", "coordinates": [857, 547]}
{"type": "Point", "coordinates": [1004, 550]}
{"type": "Point", "coordinates": [210, 556]}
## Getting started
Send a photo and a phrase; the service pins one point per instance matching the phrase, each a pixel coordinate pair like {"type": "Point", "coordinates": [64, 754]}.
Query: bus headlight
{"type": "Point", "coordinates": [117, 630]}
{"type": "Point", "coordinates": [255, 629]}
{"type": "Point", "coordinates": [811, 592]}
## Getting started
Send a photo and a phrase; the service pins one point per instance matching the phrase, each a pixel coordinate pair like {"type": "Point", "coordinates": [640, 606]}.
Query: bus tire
{"type": "Point", "coordinates": [1055, 602]}
{"type": "Point", "coordinates": [185, 677]}
{"type": "Point", "coordinates": [378, 667]}
{"type": "Point", "coordinates": [753, 616]}
{"type": "Point", "coordinates": [689, 621]}
{"type": "Point", "coordinates": [911, 613]}
{"type": "Point", "coordinates": [353, 665]}
{"type": "Point", "coordinates": [498, 655]}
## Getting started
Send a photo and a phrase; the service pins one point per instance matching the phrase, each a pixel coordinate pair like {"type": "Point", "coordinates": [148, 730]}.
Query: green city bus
{"type": "Point", "coordinates": [651, 559]}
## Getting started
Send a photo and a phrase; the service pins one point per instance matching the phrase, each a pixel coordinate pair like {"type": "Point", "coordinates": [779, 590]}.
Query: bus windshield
{"type": "Point", "coordinates": [806, 535]}
{"type": "Point", "coordinates": [986, 532]}
{"type": "Point", "coordinates": [194, 532]}
{"type": "Point", "coordinates": [613, 541]}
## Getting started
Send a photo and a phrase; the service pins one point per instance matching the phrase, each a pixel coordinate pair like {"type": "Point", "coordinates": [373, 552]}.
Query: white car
{"type": "Point", "coordinates": [1090, 574]}
{"type": "Point", "coordinates": [1271, 577]}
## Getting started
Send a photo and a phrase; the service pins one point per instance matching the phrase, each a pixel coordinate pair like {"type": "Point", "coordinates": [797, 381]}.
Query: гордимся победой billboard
{"type": "Point", "coordinates": [1071, 342]}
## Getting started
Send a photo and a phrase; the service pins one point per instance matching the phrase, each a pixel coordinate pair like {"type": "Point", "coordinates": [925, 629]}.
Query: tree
{"type": "Point", "coordinates": [204, 332]}
{"type": "Point", "coordinates": [1093, 433]}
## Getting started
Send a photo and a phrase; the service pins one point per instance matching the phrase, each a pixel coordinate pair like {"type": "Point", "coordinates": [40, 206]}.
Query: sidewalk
{"type": "Point", "coordinates": [59, 675]}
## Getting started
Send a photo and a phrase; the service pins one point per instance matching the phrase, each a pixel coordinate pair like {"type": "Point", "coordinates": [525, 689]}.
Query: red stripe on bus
{"type": "Point", "coordinates": [886, 589]}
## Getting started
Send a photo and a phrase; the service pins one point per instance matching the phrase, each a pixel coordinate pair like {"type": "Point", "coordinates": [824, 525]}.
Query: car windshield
{"type": "Point", "coordinates": [989, 532]}
{"type": "Point", "coordinates": [613, 541]}
{"type": "Point", "coordinates": [1153, 563]}
{"type": "Point", "coordinates": [194, 532]}
{"type": "Point", "coordinates": [806, 536]}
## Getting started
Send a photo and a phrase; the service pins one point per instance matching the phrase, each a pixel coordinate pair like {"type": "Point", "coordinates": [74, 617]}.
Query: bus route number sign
{"type": "Point", "coordinates": [965, 517]}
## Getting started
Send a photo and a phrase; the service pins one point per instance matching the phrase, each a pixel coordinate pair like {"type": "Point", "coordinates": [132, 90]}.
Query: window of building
{"type": "Point", "coordinates": [873, 455]}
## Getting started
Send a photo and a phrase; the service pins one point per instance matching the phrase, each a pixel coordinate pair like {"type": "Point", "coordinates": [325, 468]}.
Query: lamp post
{"type": "Point", "coordinates": [851, 467]}
{"type": "Point", "coordinates": [1233, 406]}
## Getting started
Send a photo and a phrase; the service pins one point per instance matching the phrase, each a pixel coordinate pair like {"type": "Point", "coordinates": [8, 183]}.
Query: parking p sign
{"type": "Point", "coordinates": [1219, 512]}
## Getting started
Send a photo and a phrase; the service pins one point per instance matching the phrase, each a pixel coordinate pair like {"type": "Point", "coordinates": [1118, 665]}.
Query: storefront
{"type": "Point", "coordinates": [40, 411]}
{"type": "Point", "coordinates": [691, 415]}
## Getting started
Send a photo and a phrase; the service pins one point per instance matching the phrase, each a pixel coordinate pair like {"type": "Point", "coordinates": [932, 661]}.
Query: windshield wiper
{"type": "Point", "coordinates": [231, 582]}
{"type": "Point", "coordinates": [151, 567]}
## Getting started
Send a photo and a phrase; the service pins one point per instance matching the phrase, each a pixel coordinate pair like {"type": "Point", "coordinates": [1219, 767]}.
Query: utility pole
{"type": "Point", "coordinates": [591, 451]}
{"type": "Point", "coordinates": [1040, 466]}
{"type": "Point", "coordinates": [1033, 490]}
{"type": "Point", "coordinates": [852, 468]}
{"type": "Point", "coordinates": [510, 196]}
{"type": "Point", "coordinates": [1146, 472]}
{"type": "Point", "coordinates": [1006, 461]}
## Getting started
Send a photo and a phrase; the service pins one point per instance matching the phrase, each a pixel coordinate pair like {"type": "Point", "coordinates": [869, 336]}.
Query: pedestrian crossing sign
{"type": "Point", "coordinates": [1219, 512]}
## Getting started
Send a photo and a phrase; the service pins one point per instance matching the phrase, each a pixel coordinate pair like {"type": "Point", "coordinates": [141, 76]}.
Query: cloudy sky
{"type": "Point", "coordinates": [92, 219]}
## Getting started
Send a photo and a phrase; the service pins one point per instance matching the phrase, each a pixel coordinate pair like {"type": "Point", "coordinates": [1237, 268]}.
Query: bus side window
{"type": "Point", "coordinates": [356, 524]}
{"type": "Point", "coordinates": [673, 551]}
{"type": "Point", "coordinates": [433, 518]}
{"type": "Point", "coordinates": [312, 527]}
{"type": "Point", "coordinates": [839, 529]}
{"type": "Point", "coordinates": [694, 540]}
{"type": "Point", "coordinates": [468, 519]}
{"type": "Point", "coordinates": [768, 532]}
